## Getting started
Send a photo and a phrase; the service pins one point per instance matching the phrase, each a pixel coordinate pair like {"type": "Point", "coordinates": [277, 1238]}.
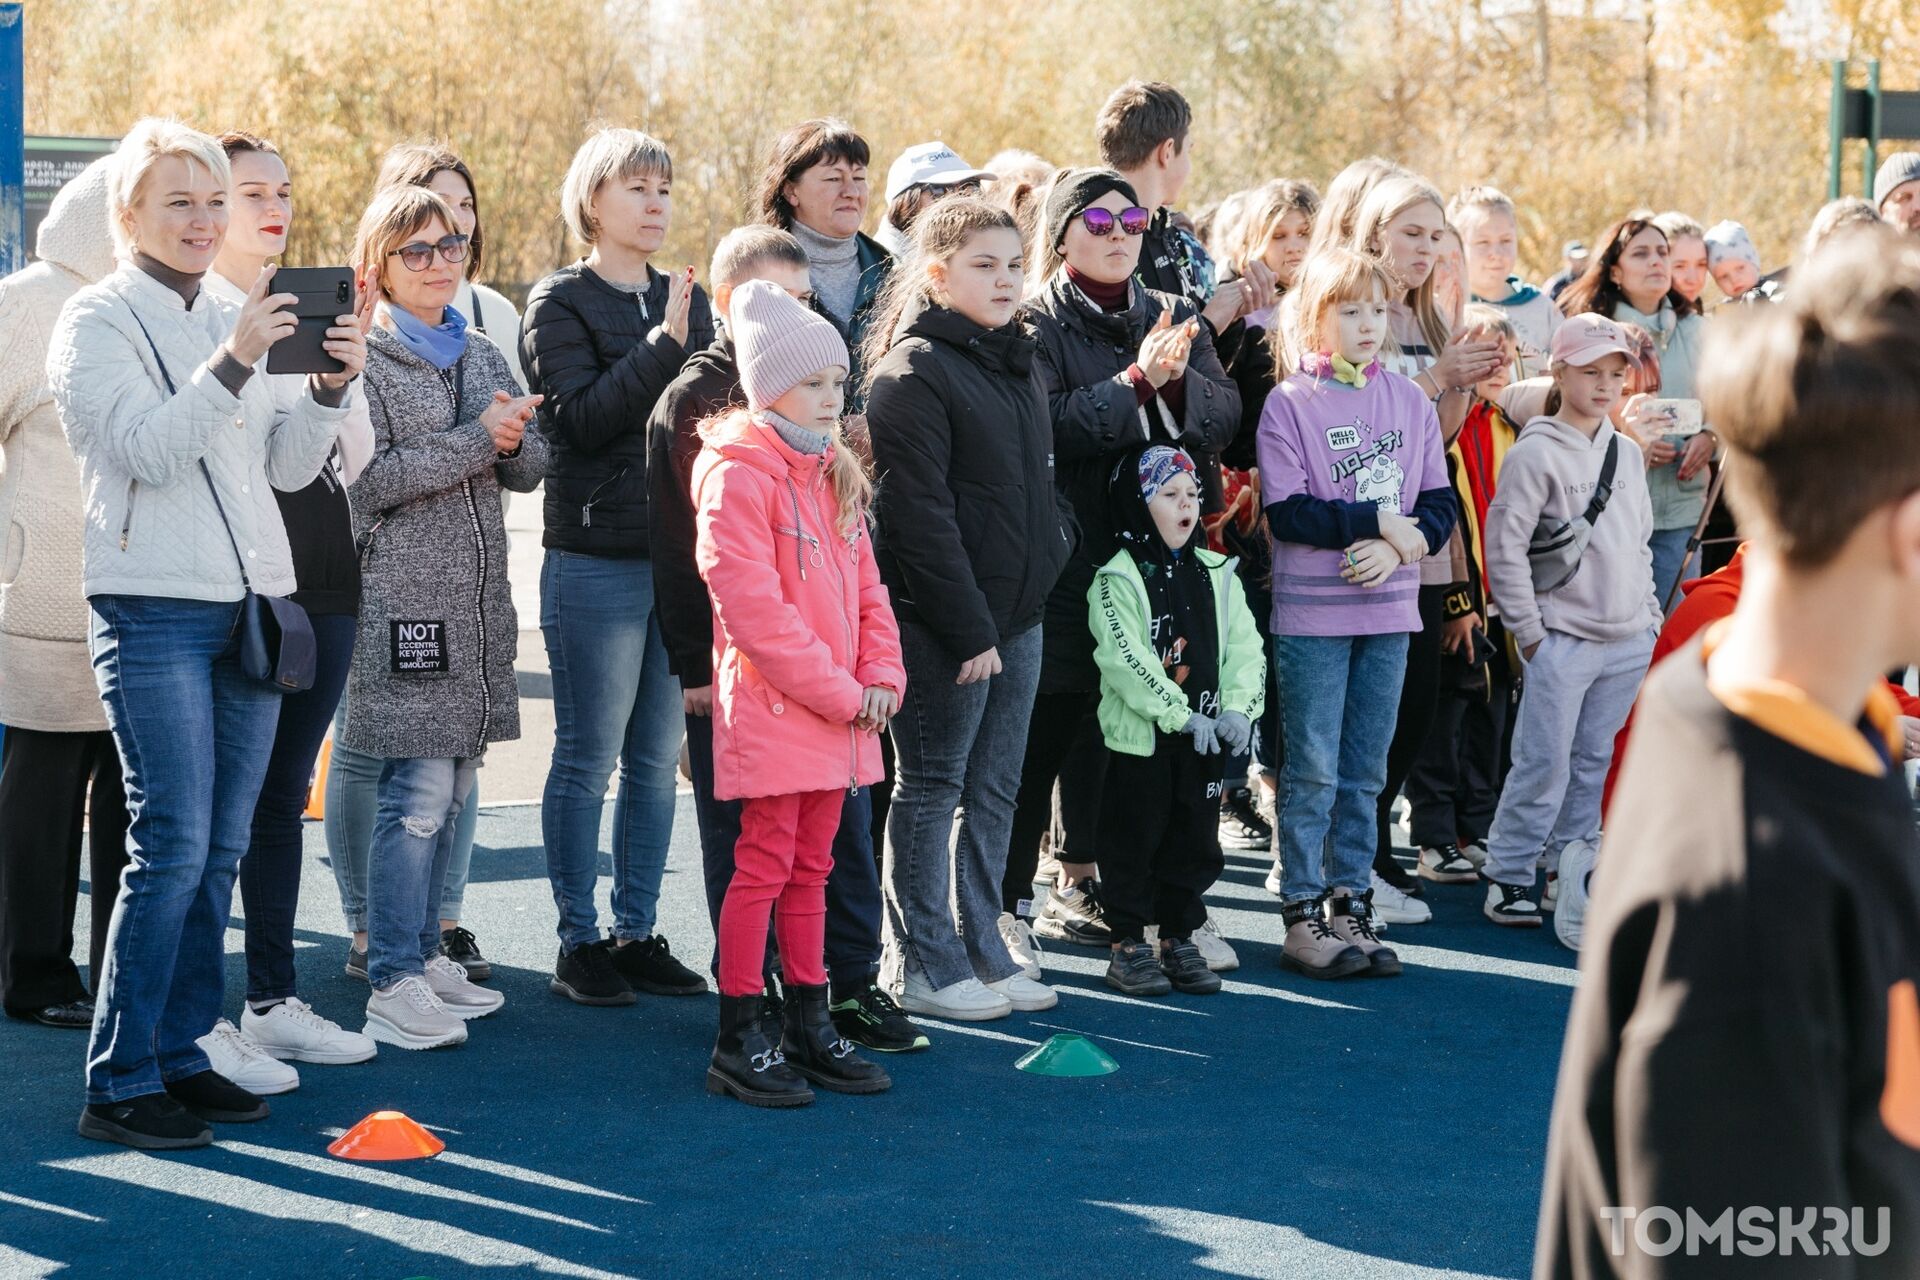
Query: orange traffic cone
{"type": "Point", "coordinates": [317, 789]}
{"type": "Point", "coordinates": [386, 1135]}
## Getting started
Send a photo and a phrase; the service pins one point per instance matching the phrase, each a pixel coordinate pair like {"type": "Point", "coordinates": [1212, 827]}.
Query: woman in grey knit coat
{"type": "Point", "coordinates": [432, 682]}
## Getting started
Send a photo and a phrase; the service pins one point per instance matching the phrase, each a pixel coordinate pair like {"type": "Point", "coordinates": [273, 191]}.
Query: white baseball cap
{"type": "Point", "coordinates": [930, 164]}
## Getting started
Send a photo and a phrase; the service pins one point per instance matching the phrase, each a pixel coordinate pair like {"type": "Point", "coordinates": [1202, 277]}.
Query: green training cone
{"type": "Point", "coordinates": [1068, 1055]}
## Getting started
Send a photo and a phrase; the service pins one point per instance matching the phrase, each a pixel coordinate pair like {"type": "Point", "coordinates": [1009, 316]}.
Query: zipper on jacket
{"type": "Point", "coordinates": [586, 508]}
{"type": "Point", "coordinates": [126, 527]}
{"type": "Point", "coordinates": [480, 614]}
{"type": "Point", "coordinates": [853, 640]}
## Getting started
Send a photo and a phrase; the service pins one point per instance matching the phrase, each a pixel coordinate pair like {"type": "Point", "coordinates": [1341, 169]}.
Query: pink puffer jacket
{"type": "Point", "coordinates": [801, 624]}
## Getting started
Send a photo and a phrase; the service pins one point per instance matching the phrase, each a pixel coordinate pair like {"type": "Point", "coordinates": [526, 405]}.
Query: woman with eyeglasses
{"type": "Point", "coordinates": [432, 682]}
{"type": "Point", "coordinates": [351, 777]}
{"type": "Point", "coordinates": [1122, 366]}
{"type": "Point", "coordinates": [923, 175]}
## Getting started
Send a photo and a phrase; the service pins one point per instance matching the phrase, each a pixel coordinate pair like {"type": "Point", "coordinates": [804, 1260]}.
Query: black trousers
{"type": "Point", "coordinates": [45, 816]}
{"type": "Point", "coordinates": [1159, 838]}
{"type": "Point", "coordinates": [1454, 787]}
{"type": "Point", "coordinates": [1419, 700]}
{"type": "Point", "coordinates": [1064, 745]}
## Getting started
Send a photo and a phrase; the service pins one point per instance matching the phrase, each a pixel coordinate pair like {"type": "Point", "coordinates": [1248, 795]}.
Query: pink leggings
{"type": "Point", "coordinates": [784, 853]}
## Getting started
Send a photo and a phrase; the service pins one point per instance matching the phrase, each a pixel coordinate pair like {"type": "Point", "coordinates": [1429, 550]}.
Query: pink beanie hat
{"type": "Point", "coordinates": [779, 343]}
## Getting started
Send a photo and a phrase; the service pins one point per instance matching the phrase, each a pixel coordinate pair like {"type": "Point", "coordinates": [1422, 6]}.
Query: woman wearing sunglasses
{"type": "Point", "coordinates": [432, 681]}
{"type": "Point", "coordinates": [1122, 366]}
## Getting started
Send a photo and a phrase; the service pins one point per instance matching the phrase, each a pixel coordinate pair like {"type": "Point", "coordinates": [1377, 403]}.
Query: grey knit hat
{"type": "Point", "coordinates": [1072, 192]}
{"type": "Point", "coordinates": [778, 342]}
{"type": "Point", "coordinates": [1901, 166]}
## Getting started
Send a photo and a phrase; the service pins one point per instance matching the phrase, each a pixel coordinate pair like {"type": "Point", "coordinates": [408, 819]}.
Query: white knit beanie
{"type": "Point", "coordinates": [778, 342]}
{"type": "Point", "coordinates": [1901, 166]}
{"type": "Point", "coordinates": [1727, 241]}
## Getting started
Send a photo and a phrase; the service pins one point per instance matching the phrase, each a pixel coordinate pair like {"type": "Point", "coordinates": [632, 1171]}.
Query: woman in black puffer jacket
{"type": "Point", "coordinates": [972, 536]}
{"type": "Point", "coordinates": [1121, 366]}
{"type": "Point", "coordinates": [601, 340]}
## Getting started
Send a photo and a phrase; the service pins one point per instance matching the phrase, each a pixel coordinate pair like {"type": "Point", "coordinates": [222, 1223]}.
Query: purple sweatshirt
{"type": "Point", "coordinates": [1330, 458]}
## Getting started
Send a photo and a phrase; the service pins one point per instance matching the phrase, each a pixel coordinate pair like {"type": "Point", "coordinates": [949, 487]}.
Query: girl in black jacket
{"type": "Point", "coordinates": [1121, 366]}
{"type": "Point", "coordinates": [601, 340]}
{"type": "Point", "coordinates": [972, 536]}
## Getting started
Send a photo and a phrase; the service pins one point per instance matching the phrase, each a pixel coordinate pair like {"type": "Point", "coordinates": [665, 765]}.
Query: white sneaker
{"type": "Point", "coordinates": [409, 1015]}
{"type": "Point", "coordinates": [1273, 878]}
{"type": "Point", "coordinates": [246, 1063]}
{"type": "Point", "coordinates": [1475, 852]}
{"type": "Point", "coordinates": [1551, 894]}
{"type": "Point", "coordinates": [1017, 934]}
{"type": "Point", "coordinates": [964, 1001]}
{"type": "Point", "coordinates": [1024, 994]}
{"type": "Point", "coordinates": [1047, 870]}
{"type": "Point", "coordinates": [462, 996]}
{"type": "Point", "coordinates": [1395, 907]}
{"type": "Point", "coordinates": [1576, 867]}
{"type": "Point", "coordinates": [291, 1029]}
{"type": "Point", "coordinates": [1214, 949]}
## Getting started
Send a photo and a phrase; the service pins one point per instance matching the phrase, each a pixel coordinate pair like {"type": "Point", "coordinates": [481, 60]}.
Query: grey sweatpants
{"type": "Point", "coordinates": [1578, 694]}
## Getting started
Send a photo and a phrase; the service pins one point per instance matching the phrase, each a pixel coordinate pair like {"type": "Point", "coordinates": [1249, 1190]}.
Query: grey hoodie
{"type": "Point", "coordinates": [1549, 474]}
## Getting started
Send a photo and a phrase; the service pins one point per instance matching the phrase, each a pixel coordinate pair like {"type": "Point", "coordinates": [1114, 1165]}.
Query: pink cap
{"type": "Point", "coordinates": [1585, 338]}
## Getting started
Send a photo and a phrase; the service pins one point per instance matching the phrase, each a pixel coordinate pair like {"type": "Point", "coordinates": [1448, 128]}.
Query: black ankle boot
{"type": "Point", "coordinates": [817, 1050]}
{"type": "Point", "coordinates": [746, 1065]}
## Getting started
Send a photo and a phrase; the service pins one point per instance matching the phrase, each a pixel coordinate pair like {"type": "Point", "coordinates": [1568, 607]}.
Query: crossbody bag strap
{"type": "Point", "coordinates": [211, 486]}
{"type": "Point", "coordinates": [1603, 492]}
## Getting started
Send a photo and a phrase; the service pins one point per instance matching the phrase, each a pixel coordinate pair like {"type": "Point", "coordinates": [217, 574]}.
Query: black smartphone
{"type": "Point", "coordinates": [323, 294]}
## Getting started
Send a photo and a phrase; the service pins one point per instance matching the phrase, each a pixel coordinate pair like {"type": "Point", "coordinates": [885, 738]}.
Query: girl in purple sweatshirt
{"type": "Point", "coordinates": [1355, 481]}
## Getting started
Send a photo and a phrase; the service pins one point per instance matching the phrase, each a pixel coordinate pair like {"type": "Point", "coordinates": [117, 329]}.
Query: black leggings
{"type": "Point", "coordinates": [1063, 742]}
{"type": "Point", "coordinates": [1419, 700]}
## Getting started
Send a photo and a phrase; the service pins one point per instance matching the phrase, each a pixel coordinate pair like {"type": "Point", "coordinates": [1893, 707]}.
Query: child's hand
{"type": "Point", "coordinates": [1404, 536]}
{"type": "Point", "coordinates": [877, 706]}
{"type": "Point", "coordinates": [983, 666]}
{"type": "Point", "coordinates": [1206, 733]}
{"type": "Point", "coordinates": [1370, 562]}
{"type": "Point", "coordinates": [1235, 732]}
{"type": "Point", "coordinates": [1530, 650]}
{"type": "Point", "coordinates": [1456, 636]}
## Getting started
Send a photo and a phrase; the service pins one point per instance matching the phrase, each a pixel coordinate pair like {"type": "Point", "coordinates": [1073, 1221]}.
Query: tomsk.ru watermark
{"type": "Point", "coordinates": [1755, 1231]}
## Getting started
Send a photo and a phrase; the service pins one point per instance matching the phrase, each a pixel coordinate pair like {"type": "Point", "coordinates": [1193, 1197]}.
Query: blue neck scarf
{"type": "Point", "coordinates": [440, 345]}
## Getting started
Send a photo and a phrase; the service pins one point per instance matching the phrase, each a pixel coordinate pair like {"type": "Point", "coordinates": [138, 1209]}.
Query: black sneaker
{"type": "Point", "coordinates": [461, 948]}
{"type": "Point", "coordinates": [1241, 826]}
{"type": "Point", "coordinates": [648, 965]}
{"type": "Point", "coordinates": [1445, 864]}
{"type": "Point", "coordinates": [873, 1021]}
{"type": "Point", "coordinates": [71, 1015]}
{"type": "Point", "coordinates": [1510, 905]}
{"type": "Point", "coordinates": [1186, 968]}
{"type": "Point", "coordinates": [150, 1122]}
{"type": "Point", "coordinates": [585, 975]}
{"type": "Point", "coordinates": [1135, 970]}
{"type": "Point", "coordinates": [356, 961]}
{"type": "Point", "coordinates": [212, 1096]}
{"type": "Point", "coordinates": [1075, 915]}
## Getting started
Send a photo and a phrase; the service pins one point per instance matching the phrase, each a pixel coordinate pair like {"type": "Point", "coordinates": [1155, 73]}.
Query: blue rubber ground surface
{"type": "Point", "coordinates": [1283, 1128]}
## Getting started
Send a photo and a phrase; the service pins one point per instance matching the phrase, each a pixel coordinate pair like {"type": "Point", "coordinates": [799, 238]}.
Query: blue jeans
{"type": "Point", "coordinates": [353, 799]}
{"type": "Point", "coordinates": [193, 732]}
{"type": "Point", "coordinates": [957, 747]}
{"type": "Point", "coordinates": [1670, 559]}
{"type": "Point", "coordinates": [614, 702]}
{"type": "Point", "coordinates": [412, 842]}
{"type": "Point", "coordinates": [270, 873]}
{"type": "Point", "coordinates": [1339, 698]}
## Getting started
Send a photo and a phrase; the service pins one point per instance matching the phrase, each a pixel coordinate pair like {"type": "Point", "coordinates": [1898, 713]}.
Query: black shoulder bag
{"type": "Point", "coordinates": [276, 637]}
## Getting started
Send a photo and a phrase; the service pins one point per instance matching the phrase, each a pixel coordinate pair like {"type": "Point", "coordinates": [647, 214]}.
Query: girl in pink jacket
{"type": "Point", "coordinates": [807, 673]}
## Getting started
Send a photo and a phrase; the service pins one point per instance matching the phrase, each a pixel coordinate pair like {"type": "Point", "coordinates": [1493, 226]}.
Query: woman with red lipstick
{"type": "Point", "coordinates": [1121, 365]}
{"type": "Point", "coordinates": [971, 538]}
{"type": "Point", "coordinates": [181, 441]}
{"type": "Point", "coordinates": [603, 339]}
{"type": "Point", "coordinates": [276, 1023]}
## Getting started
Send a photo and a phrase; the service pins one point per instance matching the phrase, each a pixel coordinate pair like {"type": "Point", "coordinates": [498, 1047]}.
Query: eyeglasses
{"type": "Point", "coordinates": [941, 190]}
{"type": "Point", "coordinates": [419, 255]}
{"type": "Point", "coordinates": [1100, 222]}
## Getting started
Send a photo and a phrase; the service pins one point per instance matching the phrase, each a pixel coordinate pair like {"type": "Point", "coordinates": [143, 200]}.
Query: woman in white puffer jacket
{"type": "Point", "coordinates": [180, 442]}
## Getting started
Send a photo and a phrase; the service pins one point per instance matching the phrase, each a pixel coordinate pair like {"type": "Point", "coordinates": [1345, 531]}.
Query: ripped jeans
{"type": "Point", "coordinates": [407, 867]}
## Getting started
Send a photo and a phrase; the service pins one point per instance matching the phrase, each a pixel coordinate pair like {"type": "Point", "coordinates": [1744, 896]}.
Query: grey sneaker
{"type": "Point", "coordinates": [1186, 968]}
{"type": "Point", "coordinates": [1135, 970]}
{"type": "Point", "coordinates": [1074, 914]}
{"type": "Point", "coordinates": [462, 997]}
{"type": "Point", "coordinates": [408, 1015]}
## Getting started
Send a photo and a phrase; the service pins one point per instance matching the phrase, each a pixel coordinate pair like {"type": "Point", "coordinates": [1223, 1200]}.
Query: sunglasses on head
{"type": "Point", "coordinates": [1100, 222]}
{"type": "Point", "coordinates": [417, 256]}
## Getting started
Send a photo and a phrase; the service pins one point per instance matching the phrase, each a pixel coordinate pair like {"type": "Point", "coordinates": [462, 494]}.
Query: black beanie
{"type": "Point", "coordinates": [1072, 192]}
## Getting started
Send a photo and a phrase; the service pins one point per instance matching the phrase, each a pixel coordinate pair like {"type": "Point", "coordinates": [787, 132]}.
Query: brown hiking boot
{"type": "Point", "coordinates": [1352, 920]}
{"type": "Point", "coordinates": [1313, 949]}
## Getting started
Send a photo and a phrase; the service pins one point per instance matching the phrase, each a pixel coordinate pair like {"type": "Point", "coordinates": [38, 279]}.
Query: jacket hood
{"type": "Point", "coordinates": [741, 437]}
{"type": "Point", "coordinates": [1568, 437]}
{"type": "Point", "coordinates": [1006, 348]}
{"type": "Point", "coordinates": [1519, 293]}
{"type": "Point", "coordinates": [76, 234]}
{"type": "Point", "coordinates": [1069, 305]}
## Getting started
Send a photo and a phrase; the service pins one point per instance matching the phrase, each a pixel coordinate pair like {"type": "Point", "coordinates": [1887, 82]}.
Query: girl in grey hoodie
{"type": "Point", "coordinates": [1586, 642]}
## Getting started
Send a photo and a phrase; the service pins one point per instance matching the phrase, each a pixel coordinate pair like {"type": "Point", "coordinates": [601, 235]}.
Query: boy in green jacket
{"type": "Point", "coordinates": [1182, 678]}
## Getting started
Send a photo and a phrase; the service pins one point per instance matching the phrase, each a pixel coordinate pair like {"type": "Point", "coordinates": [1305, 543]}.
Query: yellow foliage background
{"type": "Point", "coordinates": [1580, 109]}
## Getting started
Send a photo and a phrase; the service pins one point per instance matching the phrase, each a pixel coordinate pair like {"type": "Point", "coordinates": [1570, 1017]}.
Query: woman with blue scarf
{"type": "Point", "coordinates": [432, 681]}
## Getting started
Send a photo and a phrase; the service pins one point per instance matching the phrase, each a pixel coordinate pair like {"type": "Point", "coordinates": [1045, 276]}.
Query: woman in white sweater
{"type": "Point", "coordinates": [181, 443]}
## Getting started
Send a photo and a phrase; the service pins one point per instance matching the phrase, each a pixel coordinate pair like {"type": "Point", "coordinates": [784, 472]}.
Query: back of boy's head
{"type": "Point", "coordinates": [1137, 118]}
{"type": "Point", "coordinates": [1491, 319]}
{"type": "Point", "coordinates": [744, 250]}
{"type": "Point", "coordinates": [780, 343]}
{"type": "Point", "coordinates": [1816, 397]}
